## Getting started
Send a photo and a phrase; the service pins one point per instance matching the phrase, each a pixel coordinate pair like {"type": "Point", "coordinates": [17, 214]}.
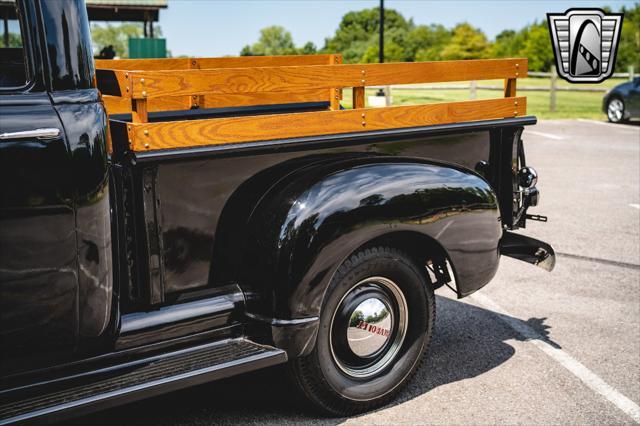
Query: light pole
{"type": "Point", "coordinates": [381, 38]}
{"type": "Point", "coordinates": [382, 92]}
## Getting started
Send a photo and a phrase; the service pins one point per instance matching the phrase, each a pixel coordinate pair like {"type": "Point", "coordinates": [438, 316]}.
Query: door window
{"type": "Point", "coordinates": [13, 69]}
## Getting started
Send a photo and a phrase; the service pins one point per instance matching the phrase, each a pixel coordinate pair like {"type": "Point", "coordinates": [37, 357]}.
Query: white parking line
{"type": "Point", "coordinates": [589, 378]}
{"type": "Point", "coordinates": [618, 126]}
{"type": "Point", "coordinates": [544, 135]}
{"type": "Point", "coordinates": [635, 206]}
{"type": "Point", "coordinates": [585, 120]}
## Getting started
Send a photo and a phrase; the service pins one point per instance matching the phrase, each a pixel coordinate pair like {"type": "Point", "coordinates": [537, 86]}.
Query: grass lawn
{"type": "Point", "coordinates": [568, 104]}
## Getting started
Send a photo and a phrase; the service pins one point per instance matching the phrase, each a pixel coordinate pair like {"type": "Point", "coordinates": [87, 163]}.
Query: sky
{"type": "Point", "coordinates": [223, 27]}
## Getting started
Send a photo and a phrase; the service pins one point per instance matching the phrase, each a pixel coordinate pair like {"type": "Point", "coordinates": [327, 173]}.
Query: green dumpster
{"type": "Point", "coordinates": [147, 48]}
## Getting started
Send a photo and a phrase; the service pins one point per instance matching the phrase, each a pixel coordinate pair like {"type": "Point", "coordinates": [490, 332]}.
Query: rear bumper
{"type": "Point", "coordinates": [528, 250]}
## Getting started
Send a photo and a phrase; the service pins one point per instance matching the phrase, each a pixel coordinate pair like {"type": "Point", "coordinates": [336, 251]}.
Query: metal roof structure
{"type": "Point", "coordinates": [146, 11]}
{"type": "Point", "coordinates": [107, 10]}
{"type": "Point", "coordinates": [131, 3]}
{"type": "Point", "coordinates": [125, 10]}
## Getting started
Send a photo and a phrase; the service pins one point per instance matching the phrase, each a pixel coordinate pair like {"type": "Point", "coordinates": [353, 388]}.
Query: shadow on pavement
{"type": "Point", "coordinates": [468, 341]}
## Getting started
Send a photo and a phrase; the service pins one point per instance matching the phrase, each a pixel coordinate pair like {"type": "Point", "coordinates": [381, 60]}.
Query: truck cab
{"type": "Point", "coordinates": [148, 244]}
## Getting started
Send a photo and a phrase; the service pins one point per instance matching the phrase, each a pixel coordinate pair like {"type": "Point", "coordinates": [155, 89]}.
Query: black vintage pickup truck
{"type": "Point", "coordinates": [169, 222]}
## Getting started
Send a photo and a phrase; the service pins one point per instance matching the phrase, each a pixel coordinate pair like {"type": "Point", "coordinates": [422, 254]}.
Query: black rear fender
{"type": "Point", "coordinates": [313, 219]}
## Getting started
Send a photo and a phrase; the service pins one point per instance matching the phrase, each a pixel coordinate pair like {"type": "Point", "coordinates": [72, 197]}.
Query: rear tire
{"type": "Point", "coordinates": [616, 110]}
{"type": "Point", "coordinates": [375, 326]}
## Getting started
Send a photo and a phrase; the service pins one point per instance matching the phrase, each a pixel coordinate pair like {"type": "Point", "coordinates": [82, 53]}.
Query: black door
{"type": "Point", "coordinates": [38, 252]}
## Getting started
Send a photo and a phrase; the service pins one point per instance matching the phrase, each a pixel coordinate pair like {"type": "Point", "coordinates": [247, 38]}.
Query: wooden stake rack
{"type": "Point", "coordinates": [142, 86]}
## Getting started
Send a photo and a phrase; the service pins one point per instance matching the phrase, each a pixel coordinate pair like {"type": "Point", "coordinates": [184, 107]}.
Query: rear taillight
{"type": "Point", "coordinates": [527, 177]}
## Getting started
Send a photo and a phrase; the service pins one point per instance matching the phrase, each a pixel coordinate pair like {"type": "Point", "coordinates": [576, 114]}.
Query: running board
{"type": "Point", "coordinates": [158, 375]}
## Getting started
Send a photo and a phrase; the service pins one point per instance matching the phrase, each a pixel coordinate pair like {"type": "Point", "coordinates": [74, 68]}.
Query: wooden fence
{"type": "Point", "coordinates": [553, 87]}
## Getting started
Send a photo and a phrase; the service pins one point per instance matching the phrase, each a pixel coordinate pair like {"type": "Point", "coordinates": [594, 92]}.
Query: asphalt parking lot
{"type": "Point", "coordinates": [532, 347]}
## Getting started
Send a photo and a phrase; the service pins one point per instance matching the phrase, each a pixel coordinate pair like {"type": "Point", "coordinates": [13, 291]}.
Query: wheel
{"type": "Point", "coordinates": [375, 326]}
{"type": "Point", "coordinates": [615, 110]}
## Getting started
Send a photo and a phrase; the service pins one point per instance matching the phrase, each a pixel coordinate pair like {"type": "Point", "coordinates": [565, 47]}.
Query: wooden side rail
{"type": "Point", "coordinates": [152, 84]}
{"type": "Point", "coordinates": [140, 89]}
{"type": "Point", "coordinates": [193, 133]}
{"type": "Point", "coordinates": [117, 104]}
{"type": "Point", "coordinates": [142, 86]}
{"type": "Point", "coordinates": [202, 63]}
{"type": "Point", "coordinates": [121, 105]}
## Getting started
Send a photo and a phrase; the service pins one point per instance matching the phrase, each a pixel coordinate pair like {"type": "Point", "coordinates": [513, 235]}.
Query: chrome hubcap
{"type": "Point", "coordinates": [368, 327]}
{"type": "Point", "coordinates": [615, 110]}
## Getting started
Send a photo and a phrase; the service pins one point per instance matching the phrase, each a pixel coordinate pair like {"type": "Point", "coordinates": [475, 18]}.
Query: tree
{"type": "Point", "coordinates": [467, 43]}
{"type": "Point", "coordinates": [356, 318]}
{"type": "Point", "coordinates": [425, 43]}
{"type": "Point", "coordinates": [629, 45]}
{"type": "Point", "coordinates": [274, 40]}
{"type": "Point", "coordinates": [15, 40]}
{"type": "Point", "coordinates": [357, 35]}
{"type": "Point", "coordinates": [537, 47]}
{"type": "Point", "coordinates": [116, 36]}
{"type": "Point", "coordinates": [394, 47]}
{"type": "Point", "coordinates": [393, 52]}
{"type": "Point", "coordinates": [308, 49]}
{"type": "Point", "coordinates": [509, 43]}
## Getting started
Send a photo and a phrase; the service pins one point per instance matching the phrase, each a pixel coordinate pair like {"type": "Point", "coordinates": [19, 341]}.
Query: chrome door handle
{"type": "Point", "coordinates": [48, 133]}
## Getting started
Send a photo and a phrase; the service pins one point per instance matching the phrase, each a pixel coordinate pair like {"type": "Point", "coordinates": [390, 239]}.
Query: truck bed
{"type": "Point", "coordinates": [249, 99]}
{"type": "Point", "coordinates": [195, 150]}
